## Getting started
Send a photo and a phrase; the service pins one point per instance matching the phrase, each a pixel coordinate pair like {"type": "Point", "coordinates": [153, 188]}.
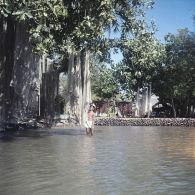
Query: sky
{"type": "Point", "coordinates": [169, 16]}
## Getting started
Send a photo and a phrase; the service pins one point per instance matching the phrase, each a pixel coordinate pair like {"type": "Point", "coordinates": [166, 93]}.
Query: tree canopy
{"type": "Point", "coordinates": [142, 55]}
{"type": "Point", "coordinates": [104, 84]}
{"type": "Point", "coordinates": [57, 25]}
{"type": "Point", "coordinates": [175, 79]}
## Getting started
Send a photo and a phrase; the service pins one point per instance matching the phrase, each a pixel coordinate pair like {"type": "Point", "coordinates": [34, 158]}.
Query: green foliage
{"type": "Point", "coordinates": [58, 25]}
{"type": "Point", "coordinates": [175, 79]}
{"type": "Point", "coordinates": [170, 68]}
{"type": "Point", "coordinates": [104, 85]}
{"type": "Point", "coordinates": [142, 56]}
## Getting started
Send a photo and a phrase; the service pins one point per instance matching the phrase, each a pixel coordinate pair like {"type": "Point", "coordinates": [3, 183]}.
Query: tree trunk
{"type": "Point", "coordinates": [25, 76]}
{"type": "Point", "coordinates": [69, 100]}
{"type": "Point", "coordinates": [146, 102]}
{"type": "Point", "coordinates": [7, 46]}
{"type": "Point", "coordinates": [49, 91]}
{"type": "Point", "coordinates": [86, 96]}
{"type": "Point", "coordinates": [173, 107]}
{"type": "Point", "coordinates": [137, 112]}
{"type": "Point", "coordinates": [78, 87]}
{"type": "Point", "coordinates": [19, 72]}
{"type": "Point", "coordinates": [78, 93]}
{"type": "Point", "coordinates": [149, 100]}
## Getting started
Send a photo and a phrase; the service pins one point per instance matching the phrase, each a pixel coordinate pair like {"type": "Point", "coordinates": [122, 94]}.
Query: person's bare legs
{"type": "Point", "coordinates": [91, 131]}
{"type": "Point", "coordinates": [87, 131]}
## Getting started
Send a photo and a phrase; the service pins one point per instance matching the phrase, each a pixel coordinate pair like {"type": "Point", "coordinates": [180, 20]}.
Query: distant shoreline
{"type": "Point", "coordinates": [185, 122]}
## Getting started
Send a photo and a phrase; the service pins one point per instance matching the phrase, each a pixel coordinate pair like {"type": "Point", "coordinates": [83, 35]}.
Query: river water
{"type": "Point", "coordinates": [115, 161]}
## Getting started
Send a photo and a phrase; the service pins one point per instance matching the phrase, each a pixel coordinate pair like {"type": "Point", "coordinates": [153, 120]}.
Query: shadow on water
{"type": "Point", "coordinates": [8, 136]}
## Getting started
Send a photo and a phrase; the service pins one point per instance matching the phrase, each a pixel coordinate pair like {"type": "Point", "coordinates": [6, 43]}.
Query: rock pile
{"type": "Point", "coordinates": [145, 122]}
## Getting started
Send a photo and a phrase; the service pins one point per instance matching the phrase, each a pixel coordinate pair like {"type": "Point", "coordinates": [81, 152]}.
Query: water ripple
{"type": "Point", "coordinates": [117, 160]}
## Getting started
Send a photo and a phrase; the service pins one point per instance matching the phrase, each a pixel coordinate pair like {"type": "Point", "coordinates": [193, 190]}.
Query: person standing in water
{"type": "Point", "coordinates": [90, 120]}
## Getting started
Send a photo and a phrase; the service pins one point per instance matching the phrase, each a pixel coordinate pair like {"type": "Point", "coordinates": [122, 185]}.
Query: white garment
{"type": "Point", "coordinates": [89, 124]}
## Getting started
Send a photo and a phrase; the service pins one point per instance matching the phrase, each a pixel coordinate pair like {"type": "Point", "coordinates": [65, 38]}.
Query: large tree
{"type": "Point", "coordinates": [104, 84]}
{"type": "Point", "coordinates": [175, 79]}
{"type": "Point", "coordinates": [142, 55]}
{"type": "Point", "coordinates": [74, 29]}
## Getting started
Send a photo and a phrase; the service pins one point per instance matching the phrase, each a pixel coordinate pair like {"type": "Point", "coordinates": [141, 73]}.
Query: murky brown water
{"type": "Point", "coordinates": [116, 161]}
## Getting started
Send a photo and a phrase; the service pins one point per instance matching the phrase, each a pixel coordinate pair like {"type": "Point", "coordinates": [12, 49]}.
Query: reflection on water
{"type": "Point", "coordinates": [117, 160]}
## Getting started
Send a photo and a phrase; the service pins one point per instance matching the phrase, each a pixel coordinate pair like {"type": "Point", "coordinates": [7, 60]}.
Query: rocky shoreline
{"type": "Point", "coordinates": [102, 121]}
{"type": "Point", "coordinates": [187, 122]}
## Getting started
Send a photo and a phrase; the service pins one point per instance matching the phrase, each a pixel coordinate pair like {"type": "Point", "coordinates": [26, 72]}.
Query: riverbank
{"type": "Point", "coordinates": [106, 121]}
{"type": "Point", "coordinates": [187, 122]}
